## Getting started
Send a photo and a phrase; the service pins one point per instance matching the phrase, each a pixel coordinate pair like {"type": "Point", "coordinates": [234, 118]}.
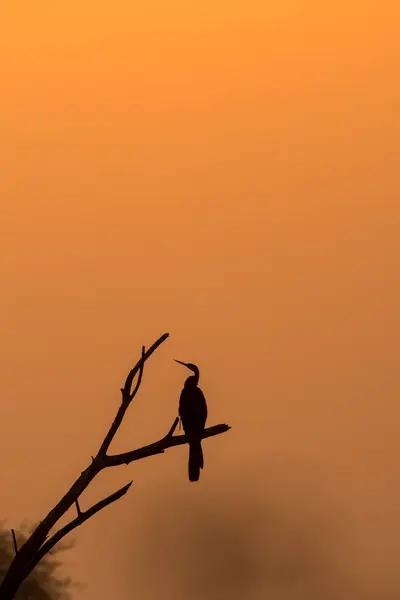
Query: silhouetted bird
{"type": "Point", "coordinates": [193, 414]}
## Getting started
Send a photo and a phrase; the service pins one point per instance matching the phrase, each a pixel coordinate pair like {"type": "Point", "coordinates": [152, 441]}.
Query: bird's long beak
{"type": "Point", "coordinates": [180, 362]}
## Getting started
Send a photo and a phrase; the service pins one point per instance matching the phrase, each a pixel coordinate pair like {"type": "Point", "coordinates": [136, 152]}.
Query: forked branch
{"type": "Point", "coordinates": [39, 543]}
{"type": "Point", "coordinates": [81, 518]}
{"type": "Point", "coordinates": [128, 395]}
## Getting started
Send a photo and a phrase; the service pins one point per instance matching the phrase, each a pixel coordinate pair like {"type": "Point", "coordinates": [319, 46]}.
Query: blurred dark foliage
{"type": "Point", "coordinates": [43, 583]}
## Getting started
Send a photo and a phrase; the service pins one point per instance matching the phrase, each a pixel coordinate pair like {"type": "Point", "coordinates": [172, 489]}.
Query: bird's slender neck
{"type": "Point", "coordinates": [196, 375]}
{"type": "Point", "coordinates": [193, 380]}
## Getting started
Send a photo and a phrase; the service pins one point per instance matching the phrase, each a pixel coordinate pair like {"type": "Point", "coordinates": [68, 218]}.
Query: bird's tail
{"type": "Point", "coordinates": [196, 460]}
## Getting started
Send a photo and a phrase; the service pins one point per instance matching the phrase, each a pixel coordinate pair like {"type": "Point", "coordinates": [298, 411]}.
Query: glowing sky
{"type": "Point", "coordinates": [227, 172]}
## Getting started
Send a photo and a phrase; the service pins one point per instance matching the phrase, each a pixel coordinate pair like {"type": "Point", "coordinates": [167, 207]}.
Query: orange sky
{"type": "Point", "coordinates": [227, 172]}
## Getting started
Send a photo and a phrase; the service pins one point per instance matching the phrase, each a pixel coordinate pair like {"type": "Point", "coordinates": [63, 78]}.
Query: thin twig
{"type": "Point", "coordinates": [139, 379]}
{"type": "Point", "coordinates": [173, 427]}
{"type": "Point", "coordinates": [78, 508]}
{"type": "Point", "coordinates": [147, 354]}
{"type": "Point", "coordinates": [15, 541]}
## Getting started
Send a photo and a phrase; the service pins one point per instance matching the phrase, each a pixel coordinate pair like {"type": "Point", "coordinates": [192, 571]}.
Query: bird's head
{"type": "Point", "coordinates": [190, 366]}
{"type": "Point", "coordinates": [192, 380]}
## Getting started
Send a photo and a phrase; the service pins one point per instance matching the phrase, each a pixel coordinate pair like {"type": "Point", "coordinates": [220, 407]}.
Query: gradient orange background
{"type": "Point", "coordinates": [227, 172]}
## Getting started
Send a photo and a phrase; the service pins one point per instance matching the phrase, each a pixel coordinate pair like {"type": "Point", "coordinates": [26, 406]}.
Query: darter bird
{"type": "Point", "coordinates": [193, 415]}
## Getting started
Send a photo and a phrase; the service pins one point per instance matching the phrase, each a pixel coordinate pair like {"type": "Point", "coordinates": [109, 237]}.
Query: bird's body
{"type": "Point", "coordinates": [193, 414]}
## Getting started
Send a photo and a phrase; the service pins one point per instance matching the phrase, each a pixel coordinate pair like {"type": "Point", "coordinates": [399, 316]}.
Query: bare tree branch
{"type": "Point", "coordinates": [169, 441]}
{"type": "Point", "coordinates": [38, 544]}
{"type": "Point", "coordinates": [81, 518]}
{"type": "Point", "coordinates": [127, 396]}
